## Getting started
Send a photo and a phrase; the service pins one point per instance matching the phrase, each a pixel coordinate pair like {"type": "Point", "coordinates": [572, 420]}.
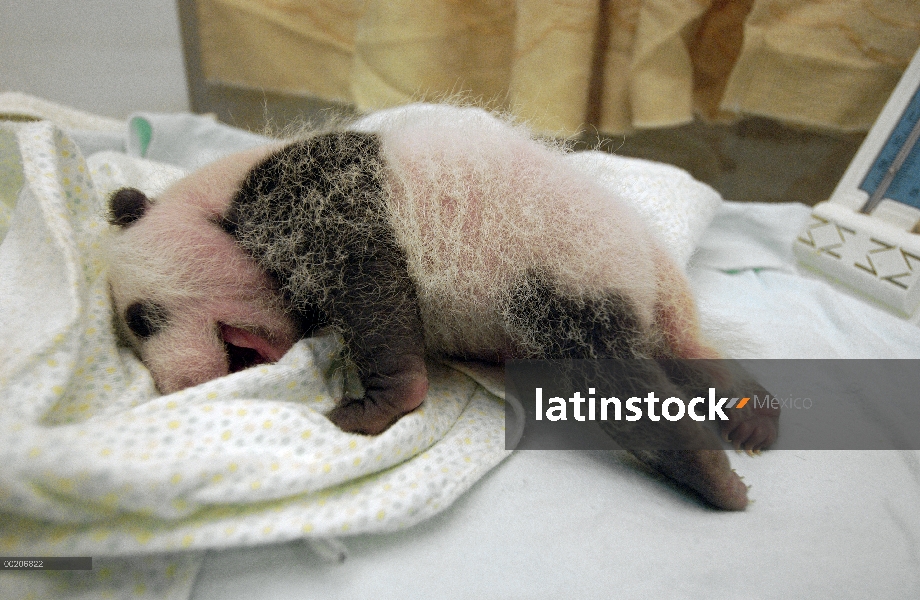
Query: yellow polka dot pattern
{"type": "Point", "coordinates": [94, 462]}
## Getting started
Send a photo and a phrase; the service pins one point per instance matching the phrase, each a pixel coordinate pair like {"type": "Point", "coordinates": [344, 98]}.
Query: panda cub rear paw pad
{"type": "Point", "coordinates": [752, 432]}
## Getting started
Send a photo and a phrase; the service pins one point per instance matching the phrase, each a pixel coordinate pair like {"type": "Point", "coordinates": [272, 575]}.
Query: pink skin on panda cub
{"type": "Point", "coordinates": [223, 313]}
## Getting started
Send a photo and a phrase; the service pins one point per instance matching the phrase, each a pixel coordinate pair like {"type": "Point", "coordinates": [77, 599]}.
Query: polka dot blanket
{"type": "Point", "coordinates": [94, 462]}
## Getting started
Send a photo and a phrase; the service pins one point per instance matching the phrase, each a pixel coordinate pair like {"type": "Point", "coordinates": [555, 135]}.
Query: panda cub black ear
{"type": "Point", "coordinates": [126, 206]}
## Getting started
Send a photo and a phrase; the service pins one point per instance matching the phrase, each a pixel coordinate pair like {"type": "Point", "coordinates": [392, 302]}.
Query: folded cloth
{"type": "Point", "coordinates": [93, 452]}
{"type": "Point", "coordinates": [676, 207]}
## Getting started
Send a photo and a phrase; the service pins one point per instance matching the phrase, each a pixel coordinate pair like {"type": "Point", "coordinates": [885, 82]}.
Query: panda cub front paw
{"type": "Point", "coordinates": [386, 399]}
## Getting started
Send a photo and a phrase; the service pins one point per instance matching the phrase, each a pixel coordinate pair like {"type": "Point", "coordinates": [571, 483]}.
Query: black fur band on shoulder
{"type": "Point", "coordinates": [313, 214]}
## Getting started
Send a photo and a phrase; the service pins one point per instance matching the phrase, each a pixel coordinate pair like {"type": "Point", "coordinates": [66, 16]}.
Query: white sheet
{"type": "Point", "coordinates": [824, 524]}
{"type": "Point", "coordinates": [94, 462]}
{"type": "Point", "coordinates": [542, 524]}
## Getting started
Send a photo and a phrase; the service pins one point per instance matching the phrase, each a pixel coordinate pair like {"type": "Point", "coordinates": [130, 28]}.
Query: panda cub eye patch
{"type": "Point", "coordinates": [144, 319]}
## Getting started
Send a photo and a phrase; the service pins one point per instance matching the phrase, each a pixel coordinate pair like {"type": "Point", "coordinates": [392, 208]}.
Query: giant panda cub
{"type": "Point", "coordinates": [415, 233]}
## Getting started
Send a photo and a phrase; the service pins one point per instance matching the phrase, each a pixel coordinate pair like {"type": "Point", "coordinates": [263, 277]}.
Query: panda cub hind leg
{"type": "Point", "coordinates": [698, 366]}
{"type": "Point", "coordinates": [546, 323]}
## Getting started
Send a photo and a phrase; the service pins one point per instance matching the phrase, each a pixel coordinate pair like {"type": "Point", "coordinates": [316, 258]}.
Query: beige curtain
{"type": "Point", "coordinates": [568, 65]}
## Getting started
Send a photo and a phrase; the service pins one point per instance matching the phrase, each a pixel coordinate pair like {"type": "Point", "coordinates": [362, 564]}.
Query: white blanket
{"type": "Point", "coordinates": [593, 525]}
{"type": "Point", "coordinates": [93, 462]}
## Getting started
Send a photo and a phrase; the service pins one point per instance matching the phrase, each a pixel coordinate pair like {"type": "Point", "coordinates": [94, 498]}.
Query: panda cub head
{"type": "Point", "coordinates": [192, 304]}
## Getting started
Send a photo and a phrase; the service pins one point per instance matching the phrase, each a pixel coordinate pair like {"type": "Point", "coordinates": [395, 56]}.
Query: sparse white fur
{"type": "Point", "coordinates": [475, 202]}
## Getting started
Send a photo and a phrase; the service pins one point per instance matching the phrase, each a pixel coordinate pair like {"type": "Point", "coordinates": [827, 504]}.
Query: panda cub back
{"type": "Point", "coordinates": [469, 213]}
